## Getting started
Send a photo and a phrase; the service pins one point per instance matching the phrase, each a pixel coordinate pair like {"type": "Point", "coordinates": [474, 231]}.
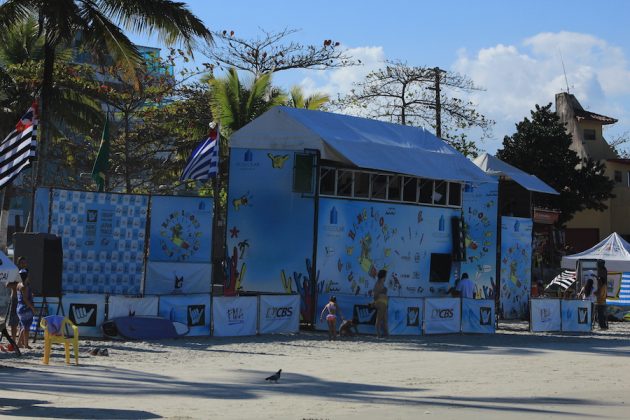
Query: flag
{"type": "Point", "coordinates": [204, 161]}
{"type": "Point", "coordinates": [101, 164]}
{"type": "Point", "coordinates": [18, 149]}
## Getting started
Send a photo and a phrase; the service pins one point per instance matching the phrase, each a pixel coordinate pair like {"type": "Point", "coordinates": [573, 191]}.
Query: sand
{"type": "Point", "coordinates": [513, 374]}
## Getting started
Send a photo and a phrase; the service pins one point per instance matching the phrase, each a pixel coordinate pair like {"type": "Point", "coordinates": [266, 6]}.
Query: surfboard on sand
{"type": "Point", "coordinates": [144, 328]}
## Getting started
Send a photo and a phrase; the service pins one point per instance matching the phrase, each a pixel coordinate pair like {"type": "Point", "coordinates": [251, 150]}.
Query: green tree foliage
{"type": "Point", "coordinates": [540, 147]}
{"type": "Point", "coordinates": [297, 99]}
{"type": "Point", "coordinates": [99, 26]}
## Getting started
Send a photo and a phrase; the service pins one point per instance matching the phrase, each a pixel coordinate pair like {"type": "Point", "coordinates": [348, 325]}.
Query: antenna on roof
{"type": "Point", "coordinates": [565, 73]}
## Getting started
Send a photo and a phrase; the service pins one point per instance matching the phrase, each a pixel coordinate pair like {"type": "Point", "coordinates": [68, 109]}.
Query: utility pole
{"type": "Point", "coordinates": [438, 105]}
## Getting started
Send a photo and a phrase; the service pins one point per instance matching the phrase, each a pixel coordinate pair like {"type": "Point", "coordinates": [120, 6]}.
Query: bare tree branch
{"type": "Point", "coordinates": [272, 53]}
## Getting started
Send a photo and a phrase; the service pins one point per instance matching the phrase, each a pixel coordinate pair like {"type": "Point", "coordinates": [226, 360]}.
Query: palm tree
{"type": "Point", "coordinates": [235, 105]}
{"type": "Point", "coordinates": [314, 102]}
{"type": "Point", "coordinates": [100, 23]}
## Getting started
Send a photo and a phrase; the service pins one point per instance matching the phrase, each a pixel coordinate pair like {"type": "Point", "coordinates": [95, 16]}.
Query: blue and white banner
{"type": "Point", "coordinates": [235, 316]}
{"type": "Point", "coordinates": [478, 316]}
{"type": "Point", "coordinates": [545, 315]}
{"type": "Point", "coordinates": [404, 316]}
{"type": "Point", "coordinates": [118, 306]}
{"type": "Point", "coordinates": [190, 310]}
{"type": "Point", "coordinates": [576, 315]}
{"type": "Point", "coordinates": [442, 315]}
{"type": "Point", "coordinates": [279, 314]}
{"type": "Point", "coordinates": [86, 311]}
{"type": "Point", "coordinates": [103, 240]}
{"type": "Point", "coordinates": [516, 263]}
{"type": "Point", "coordinates": [350, 307]}
{"type": "Point", "coordinates": [42, 210]}
{"type": "Point", "coordinates": [181, 229]}
{"type": "Point", "coordinates": [177, 278]}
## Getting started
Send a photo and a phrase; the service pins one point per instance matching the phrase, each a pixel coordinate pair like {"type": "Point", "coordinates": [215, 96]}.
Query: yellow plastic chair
{"type": "Point", "coordinates": [54, 327]}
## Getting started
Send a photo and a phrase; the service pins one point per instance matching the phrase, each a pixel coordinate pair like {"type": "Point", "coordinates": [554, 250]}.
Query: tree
{"type": "Point", "coordinates": [540, 147]}
{"type": "Point", "coordinates": [297, 99]}
{"type": "Point", "coordinates": [98, 25]}
{"type": "Point", "coordinates": [270, 53]}
{"type": "Point", "coordinates": [235, 105]}
{"type": "Point", "coordinates": [407, 95]}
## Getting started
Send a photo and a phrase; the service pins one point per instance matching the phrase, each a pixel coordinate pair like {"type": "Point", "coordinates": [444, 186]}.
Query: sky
{"type": "Point", "coordinates": [514, 50]}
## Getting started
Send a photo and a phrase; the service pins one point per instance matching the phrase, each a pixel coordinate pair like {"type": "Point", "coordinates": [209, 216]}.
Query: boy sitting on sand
{"type": "Point", "coordinates": [349, 328]}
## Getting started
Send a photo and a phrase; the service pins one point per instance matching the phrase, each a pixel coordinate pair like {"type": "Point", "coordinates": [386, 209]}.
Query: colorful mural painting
{"type": "Point", "coordinates": [103, 238]}
{"type": "Point", "coordinates": [480, 226]}
{"type": "Point", "coordinates": [181, 229]}
{"type": "Point", "coordinates": [269, 227]}
{"type": "Point", "coordinates": [516, 266]}
{"type": "Point", "coordinates": [356, 239]}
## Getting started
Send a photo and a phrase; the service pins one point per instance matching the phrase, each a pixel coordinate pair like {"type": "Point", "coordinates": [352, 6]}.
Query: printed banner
{"type": "Point", "coordinates": [356, 239]}
{"type": "Point", "coordinates": [181, 229]}
{"type": "Point", "coordinates": [404, 316]}
{"type": "Point", "coordinates": [442, 315]}
{"type": "Point", "coordinates": [545, 315]}
{"type": "Point", "coordinates": [478, 316]}
{"type": "Point", "coordinates": [269, 227]}
{"type": "Point", "coordinates": [42, 210]}
{"type": "Point", "coordinates": [479, 210]}
{"type": "Point", "coordinates": [279, 314]}
{"type": "Point", "coordinates": [103, 240]}
{"type": "Point", "coordinates": [177, 278]}
{"type": "Point", "coordinates": [234, 316]}
{"type": "Point", "coordinates": [350, 307]}
{"type": "Point", "coordinates": [516, 266]}
{"type": "Point", "coordinates": [118, 306]}
{"type": "Point", "coordinates": [190, 310]}
{"type": "Point", "coordinates": [576, 315]}
{"type": "Point", "coordinates": [86, 311]}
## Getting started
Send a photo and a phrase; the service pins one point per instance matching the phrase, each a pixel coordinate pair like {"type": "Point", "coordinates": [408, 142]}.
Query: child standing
{"type": "Point", "coordinates": [25, 308]}
{"type": "Point", "coordinates": [331, 318]}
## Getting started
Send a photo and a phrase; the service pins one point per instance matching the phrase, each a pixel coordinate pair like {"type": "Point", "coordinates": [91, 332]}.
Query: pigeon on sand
{"type": "Point", "coordinates": [274, 377]}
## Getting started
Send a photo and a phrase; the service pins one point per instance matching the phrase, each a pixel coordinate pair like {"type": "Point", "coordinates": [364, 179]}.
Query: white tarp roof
{"type": "Point", "coordinates": [494, 166]}
{"type": "Point", "coordinates": [8, 270]}
{"type": "Point", "coordinates": [614, 250]}
{"type": "Point", "coordinates": [358, 141]}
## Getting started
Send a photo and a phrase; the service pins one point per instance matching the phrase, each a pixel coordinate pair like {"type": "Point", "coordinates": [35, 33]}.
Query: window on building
{"type": "Point", "coordinates": [410, 189]}
{"type": "Point", "coordinates": [362, 185]}
{"type": "Point", "coordinates": [590, 134]}
{"type": "Point", "coordinates": [426, 191]}
{"type": "Point", "coordinates": [454, 194]}
{"type": "Point", "coordinates": [394, 191]}
{"type": "Point", "coordinates": [618, 177]}
{"type": "Point", "coordinates": [327, 181]}
{"type": "Point", "coordinates": [440, 192]}
{"type": "Point", "coordinates": [379, 186]}
{"type": "Point", "coordinates": [344, 183]}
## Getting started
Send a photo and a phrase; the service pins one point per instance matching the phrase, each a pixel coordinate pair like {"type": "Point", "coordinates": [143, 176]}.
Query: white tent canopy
{"type": "Point", "coordinates": [614, 250]}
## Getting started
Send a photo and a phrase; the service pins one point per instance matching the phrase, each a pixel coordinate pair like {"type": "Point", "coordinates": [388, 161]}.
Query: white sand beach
{"type": "Point", "coordinates": [513, 374]}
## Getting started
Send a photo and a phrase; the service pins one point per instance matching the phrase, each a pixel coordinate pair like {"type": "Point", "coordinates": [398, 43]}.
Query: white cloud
{"type": "Point", "coordinates": [516, 78]}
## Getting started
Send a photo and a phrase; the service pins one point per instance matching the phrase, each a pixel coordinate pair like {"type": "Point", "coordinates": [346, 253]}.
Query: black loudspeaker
{"type": "Point", "coordinates": [458, 238]}
{"type": "Point", "coordinates": [44, 259]}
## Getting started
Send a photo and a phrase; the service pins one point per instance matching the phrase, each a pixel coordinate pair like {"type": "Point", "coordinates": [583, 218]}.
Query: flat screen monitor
{"type": "Point", "coordinates": [440, 268]}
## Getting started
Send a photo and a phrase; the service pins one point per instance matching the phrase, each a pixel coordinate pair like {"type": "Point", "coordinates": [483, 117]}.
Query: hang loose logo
{"type": "Point", "coordinates": [83, 314]}
{"type": "Point", "coordinates": [196, 315]}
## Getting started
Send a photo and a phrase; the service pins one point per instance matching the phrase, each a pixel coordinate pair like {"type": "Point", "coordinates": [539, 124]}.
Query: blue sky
{"type": "Point", "coordinates": [511, 49]}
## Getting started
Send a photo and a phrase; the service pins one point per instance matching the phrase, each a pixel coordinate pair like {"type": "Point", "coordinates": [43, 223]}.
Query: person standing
{"type": "Point", "coordinates": [602, 294]}
{"type": "Point", "coordinates": [12, 317]}
{"type": "Point", "coordinates": [25, 308]}
{"type": "Point", "coordinates": [331, 317]}
{"type": "Point", "coordinates": [379, 292]}
{"type": "Point", "coordinates": [465, 287]}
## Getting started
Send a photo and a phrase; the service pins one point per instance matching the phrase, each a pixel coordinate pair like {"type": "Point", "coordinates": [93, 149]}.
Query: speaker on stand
{"type": "Point", "coordinates": [44, 261]}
